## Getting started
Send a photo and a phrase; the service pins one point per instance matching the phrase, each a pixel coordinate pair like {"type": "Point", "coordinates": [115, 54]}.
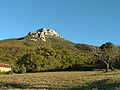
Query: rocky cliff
{"type": "Point", "coordinates": [42, 34]}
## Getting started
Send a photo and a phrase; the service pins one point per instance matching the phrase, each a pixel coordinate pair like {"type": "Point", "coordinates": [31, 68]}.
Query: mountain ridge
{"type": "Point", "coordinates": [44, 37]}
{"type": "Point", "coordinates": [11, 50]}
{"type": "Point", "coordinates": [46, 46]}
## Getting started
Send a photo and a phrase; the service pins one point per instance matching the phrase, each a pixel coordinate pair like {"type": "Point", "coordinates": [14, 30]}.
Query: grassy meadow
{"type": "Point", "coordinates": [79, 80]}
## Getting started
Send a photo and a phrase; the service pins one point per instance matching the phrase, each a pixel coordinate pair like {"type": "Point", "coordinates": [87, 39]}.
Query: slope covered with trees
{"type": "Point", "coordinates": [29, 54]}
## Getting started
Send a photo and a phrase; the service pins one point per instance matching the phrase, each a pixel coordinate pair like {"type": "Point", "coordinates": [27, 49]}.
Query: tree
{"type": "Point", "coordinates": [108, 53]}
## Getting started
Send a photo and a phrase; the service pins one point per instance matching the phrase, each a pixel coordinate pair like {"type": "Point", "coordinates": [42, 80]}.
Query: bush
{"type": "Point", "coordinates": [23, 69]}
{"type": "Point", "coordinates": [6, 73]}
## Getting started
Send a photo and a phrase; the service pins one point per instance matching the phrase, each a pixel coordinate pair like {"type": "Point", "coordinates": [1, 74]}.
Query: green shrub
{"type": "Point", "coordinates": [23, 69]}
{"type": "Point", "coordinates": [6, 73]}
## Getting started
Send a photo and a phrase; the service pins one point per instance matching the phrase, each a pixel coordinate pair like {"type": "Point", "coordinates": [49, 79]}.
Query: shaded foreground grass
{"type": "Point", "coordinates": [93, 80]}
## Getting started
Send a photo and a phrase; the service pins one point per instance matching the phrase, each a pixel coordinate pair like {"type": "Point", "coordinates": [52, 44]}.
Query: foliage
{"type": "Point", "coordinates": [6, 73]}
{"type": "Point", "coordinates": [107, 46]}
{"type": "Point", "coordinates": [54, 54]}
{"type": "Point", "coordinates": [47, 58]}
{"type": "Point", "coordinates": [23, 69]}
{"type": "Point", "coordinates": [108, 54]}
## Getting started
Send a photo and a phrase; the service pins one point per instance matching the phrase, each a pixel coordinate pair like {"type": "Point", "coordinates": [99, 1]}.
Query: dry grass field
{"type": "Point", "coordinates": [82, 80]}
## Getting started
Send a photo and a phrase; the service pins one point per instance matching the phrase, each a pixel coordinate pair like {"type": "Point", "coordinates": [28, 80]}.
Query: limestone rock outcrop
{"type": "Point", "coordinates": [42, 33]}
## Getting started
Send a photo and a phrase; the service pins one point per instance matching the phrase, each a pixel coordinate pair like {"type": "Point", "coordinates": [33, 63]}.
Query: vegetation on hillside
{"type": "Point", "coordinates": [56, 54]}
{"type": "Point", "coordinates": [48, 58]}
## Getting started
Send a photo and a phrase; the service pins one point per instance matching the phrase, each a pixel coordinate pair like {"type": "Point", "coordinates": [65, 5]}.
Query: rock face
{"type": "Point", "coordinates": [42, 33]}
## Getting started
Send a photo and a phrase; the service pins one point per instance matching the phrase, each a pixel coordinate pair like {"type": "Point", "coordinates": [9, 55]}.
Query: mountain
{"type": "Point", "coordinates": [33, 39]}
{"type": "Point", "coordinates": [46, 50]}
{"type": "Point", "coordinates": [11, 50]}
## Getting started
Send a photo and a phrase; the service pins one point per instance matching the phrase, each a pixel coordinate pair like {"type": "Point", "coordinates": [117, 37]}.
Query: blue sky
{"type": "Point", "coordinates": [91, 22]}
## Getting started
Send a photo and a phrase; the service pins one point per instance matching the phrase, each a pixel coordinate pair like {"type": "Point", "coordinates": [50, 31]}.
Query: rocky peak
{"type": "Point", "coordinates": [42, 33]}
{"type": "Point", "coordinates": [42, 30]}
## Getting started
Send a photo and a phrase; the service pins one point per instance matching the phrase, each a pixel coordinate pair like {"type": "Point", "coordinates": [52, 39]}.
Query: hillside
{"type": "Point", "coordinates": [30, 42]}
{"type": "Point", "coordinates": [47, 50]}
{"type": "Point", "coordinates": [13, 49]}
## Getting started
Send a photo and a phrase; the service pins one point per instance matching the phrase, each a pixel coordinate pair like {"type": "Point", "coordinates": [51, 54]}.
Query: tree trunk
{"type": "Point", "coordinates": [107, 66]}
